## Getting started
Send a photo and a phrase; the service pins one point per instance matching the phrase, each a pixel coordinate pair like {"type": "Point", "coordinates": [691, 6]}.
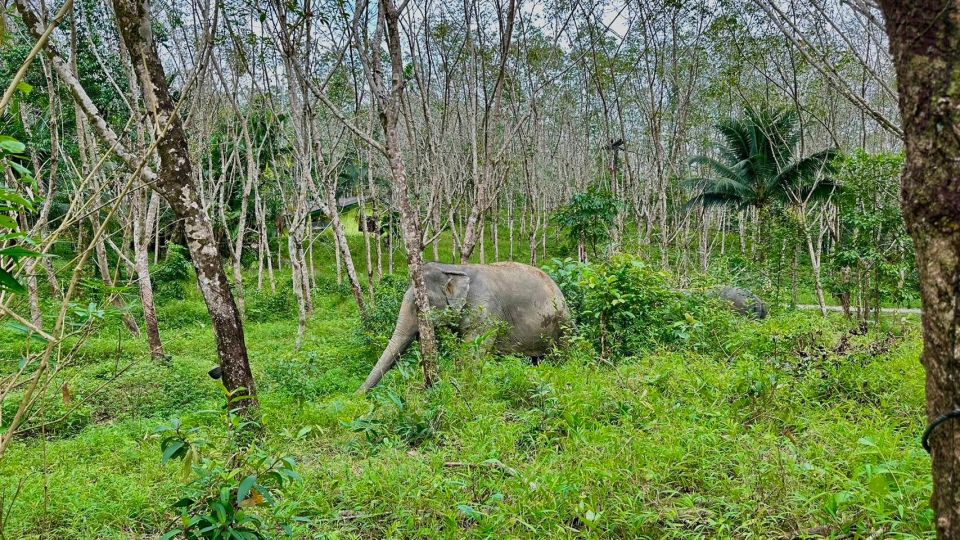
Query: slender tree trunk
{"type": "Point", "coordinates": [343, 247]}
{"type": "Point", "coordinates": [481, 239]}
{"type": "Point", "coordinates": [495, 230]}
{"type": "Point", "coordinates": [390, 237]}
{"type": "Point", "coordinates": [814, 252]}
{"type": "Point", "coordinates": [41, 225]}
{"type": "Point", "coordinates": [437, 224]}
{"type": "Point", "coordinates": [175, 183]}
{"type": "Point", "coordinates": [312, 273]}
{"type": "Point", "coordinates": [85, 144]}
{"type": "Point", "coordinates": [925, 42]}
{"type": "Point", "coordinates": [141, 260]}
{"type": "Point", "coordinates": [156, 239]}
{"type": "Point", "coordinates": [252, 177]}
{"type": "Point", "coordinates": [280, 255]}
{"type": "Point", "coordinates": [298, 288]}
{"type": "Point", "coordinates": [510, 225]}
{"type": "Point", "coordinates": [263, 247]}
{"type": "Point", "coordinates": [365, 227]}
{"type": "Point", "coordinates": [390, 102]}
{"type": "Point", "coordinates": [723, 232]}
{"type": "Point", "coordinates": [742, 223]}
{"type": "Point", "coordinates": [33, 294]}
{"type": "Point", "coordinates": [704, 246]}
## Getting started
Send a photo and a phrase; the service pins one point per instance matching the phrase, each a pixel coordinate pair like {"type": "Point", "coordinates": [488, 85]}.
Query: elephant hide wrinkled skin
{"type": "Point", "coordinates": [524, 299]}
{"type": "Point", "coordinates": [743, 301]}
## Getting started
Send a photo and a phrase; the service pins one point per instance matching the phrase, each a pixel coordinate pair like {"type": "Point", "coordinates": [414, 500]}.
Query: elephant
{"type": "Point", "coordinates": [743, 301]}
{"type": "Point", "coordinates": [524, 299]}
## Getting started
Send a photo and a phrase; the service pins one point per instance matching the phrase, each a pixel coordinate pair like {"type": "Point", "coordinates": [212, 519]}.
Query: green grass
{"type": "Point", "coordinates": [795, 424]}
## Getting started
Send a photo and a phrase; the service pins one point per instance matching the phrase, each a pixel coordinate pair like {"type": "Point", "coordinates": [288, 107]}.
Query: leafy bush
{"type": "Point", "coordinates": [395, 417]}
{"type": "Point", "coordinates": [170, 276]}
{"type": "Point", "coordinates": [324, 284]}
{"type": "Point", "coordinates": [265, 305]}
{"type": "Point", "coordinates": [624, 307]}
{"type": "Point", "coordinates": [11, 202]}
{"type": "Point", "coordinates": [310, 378]}
{"type": "Point", "coordinates": [868, 260]}
{"type": "Point", "coordinates": [382, 316]}
{"type": "Point", "coordinates": [182, 313]}
{"type": "Point", "coordinates": [586, 219]}
{"type": "Point", "coordinates": [226, 486]}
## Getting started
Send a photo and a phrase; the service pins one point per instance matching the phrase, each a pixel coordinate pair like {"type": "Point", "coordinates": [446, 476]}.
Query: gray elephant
{"type": "Point", "coordinates": [743, 301]}
{"type": "Point", "coordinates": [523, 298]}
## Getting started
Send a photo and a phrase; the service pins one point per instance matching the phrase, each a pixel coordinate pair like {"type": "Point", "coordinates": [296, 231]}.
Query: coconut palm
{"type": "Point", "coordinates": [758, 164]}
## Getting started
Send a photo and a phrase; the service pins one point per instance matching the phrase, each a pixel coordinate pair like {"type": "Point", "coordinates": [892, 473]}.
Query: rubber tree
{"type": "Point", "coordinates": [174, 181]}
{"type": "Point", "coordinates": [175, 184]}
{"type": "Point", "coordinates": [388, 97]}
{"type": "Point", "coordinates": [925, 42]}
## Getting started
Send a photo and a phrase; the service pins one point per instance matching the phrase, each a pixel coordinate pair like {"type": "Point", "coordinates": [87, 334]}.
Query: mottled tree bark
{"type": "Point", "coordinates": [409, 220]}
{"type": "Point", "coordinates": [925, 42]}
{"type": "Point", "coordinates": [175, 183]}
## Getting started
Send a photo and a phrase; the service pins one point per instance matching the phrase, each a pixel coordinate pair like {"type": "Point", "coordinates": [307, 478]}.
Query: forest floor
{"type": "Point", "coordinates": [800, 427]}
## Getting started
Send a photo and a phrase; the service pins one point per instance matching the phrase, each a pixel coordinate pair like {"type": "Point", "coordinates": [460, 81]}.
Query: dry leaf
{"type": "Point", "coordinates": [255, 499]}
{"type": "Point", "coordinates": [67, 397]}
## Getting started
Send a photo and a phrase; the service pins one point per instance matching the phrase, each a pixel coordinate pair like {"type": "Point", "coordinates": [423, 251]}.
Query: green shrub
{"type": "Point", "coordinates": [182, 313]}
{"type": "Point", "coordinates": [306, 380]}
{"type": "Point", "coordinates": [395, 416]}
{"type": "Point", "coordinates": [170, 276]}
{"type": "Point", "coordinates": [586, 219]}
{"type": "Point", "coordinates": [325, 284]}
{"type": "Point", "coordinates": [382, 316]}
{"type": "Point", "coordinates": [624, 307]}
{"type": "Point", "coordinates": [230, 492]}
{"type": "Point", "coordinates": [265, 305]}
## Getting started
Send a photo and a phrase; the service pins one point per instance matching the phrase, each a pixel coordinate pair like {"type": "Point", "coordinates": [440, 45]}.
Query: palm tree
{"type": "Point", "coordinates": [758, 167]}
{"type": "Point", "coordinates": [758, 164]}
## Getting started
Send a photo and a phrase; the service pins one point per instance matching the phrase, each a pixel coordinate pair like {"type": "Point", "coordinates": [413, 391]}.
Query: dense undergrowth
{"type": "Point", "coordinates": [666, 416]}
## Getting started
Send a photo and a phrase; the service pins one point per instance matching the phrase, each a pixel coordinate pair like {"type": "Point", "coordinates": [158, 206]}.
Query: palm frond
{"type": "Point", "coordinates": [737, 137]}
{"type": "Point", "coordinates": [714, 199]}
{"type": "Point", "coordinates": [728, 171]}
{"type": "Point", "coordinates": [722, 185]}
{"type": "Point", "coordinates": [798, 172]}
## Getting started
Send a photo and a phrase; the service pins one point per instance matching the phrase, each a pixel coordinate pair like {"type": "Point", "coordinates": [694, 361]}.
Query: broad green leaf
{"type": "Point", "coordinates": [8, 283]}
{"type": "Point", "coordinates": [24, 172]}
{"type": "Point", "coordinates": [14, 197]}
{"type": "Point", "coordinates": [11, 145]}
{"type": "Point", "coordinates": [18, 252]}
{"type": "Point", "coordinates": [174, 447]}
{"type": "Point", "coordinates": [245, 486]}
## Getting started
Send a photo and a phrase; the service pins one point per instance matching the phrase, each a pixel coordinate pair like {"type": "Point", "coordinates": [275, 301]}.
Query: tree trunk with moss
{"type": "Point", "coordinates": [925, 42]}
{"type": "Point", "coordinates": [175, 183]}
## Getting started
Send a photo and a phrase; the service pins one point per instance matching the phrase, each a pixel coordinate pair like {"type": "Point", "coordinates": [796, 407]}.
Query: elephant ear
{"type": "Point", "coordinates": [456, 288]}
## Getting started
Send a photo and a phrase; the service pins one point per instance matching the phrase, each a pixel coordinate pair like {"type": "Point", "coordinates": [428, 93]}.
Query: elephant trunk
{"type": "Point", "coordinates": [404, 334]}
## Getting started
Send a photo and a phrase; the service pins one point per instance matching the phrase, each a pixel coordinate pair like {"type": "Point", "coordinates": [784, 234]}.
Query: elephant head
{"type": "Point", "coordinates": [445, 289]}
